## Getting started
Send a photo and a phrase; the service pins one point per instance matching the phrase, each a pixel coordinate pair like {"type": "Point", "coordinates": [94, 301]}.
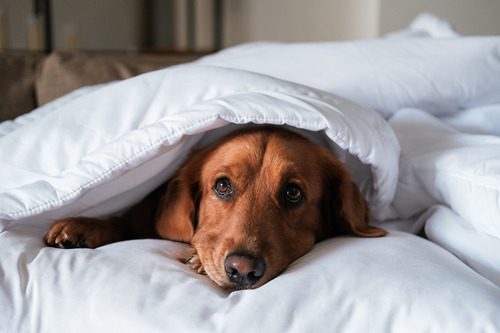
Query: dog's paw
{"type": "Point", "coordinates": [80, 232]}
{"type": "Point", "coordinates": [195, 264]}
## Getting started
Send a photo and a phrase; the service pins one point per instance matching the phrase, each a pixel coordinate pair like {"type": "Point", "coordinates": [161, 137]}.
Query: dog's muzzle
{"type": "Point", "coordinates": [244, 269]}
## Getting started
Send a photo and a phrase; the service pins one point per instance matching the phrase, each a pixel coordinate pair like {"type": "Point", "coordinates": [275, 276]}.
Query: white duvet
{"type": "Point", "coordinates": [428, 159]}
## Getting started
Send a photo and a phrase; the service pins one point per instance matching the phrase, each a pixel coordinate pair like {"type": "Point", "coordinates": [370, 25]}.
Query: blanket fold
{"type": "Point", "coordinates": [96, 145]}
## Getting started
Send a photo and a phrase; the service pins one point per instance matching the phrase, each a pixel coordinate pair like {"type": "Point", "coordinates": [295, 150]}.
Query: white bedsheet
{"type": "Point", "coordinates": [400, 283]}
{"type": "Point", "coordinates": [433, 162]}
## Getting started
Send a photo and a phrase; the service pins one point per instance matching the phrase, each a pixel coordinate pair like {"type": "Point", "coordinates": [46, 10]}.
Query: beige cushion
{"type": "Point", "coordinates": [61, 73]}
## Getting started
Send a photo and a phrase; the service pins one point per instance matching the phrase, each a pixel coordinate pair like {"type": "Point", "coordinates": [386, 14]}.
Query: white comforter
{"type": "Point", "coordinates": [98, 150]}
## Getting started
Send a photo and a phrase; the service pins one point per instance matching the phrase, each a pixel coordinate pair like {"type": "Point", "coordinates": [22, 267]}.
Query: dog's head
{"type": "Point", "coordinates": [257, 200]}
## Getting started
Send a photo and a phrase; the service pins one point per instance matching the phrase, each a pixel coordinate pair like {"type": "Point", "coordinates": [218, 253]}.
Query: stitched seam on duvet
{"type": "Point", "coordinates": [158, 142]}
{"type": "Point", "coordinates": [98, 178]}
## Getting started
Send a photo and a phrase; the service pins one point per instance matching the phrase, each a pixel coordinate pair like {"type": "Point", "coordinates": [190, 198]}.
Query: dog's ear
{"type": "Point", "coordinates": [176, 216]}
{"type": "Point", "coordinates": [345, 211]}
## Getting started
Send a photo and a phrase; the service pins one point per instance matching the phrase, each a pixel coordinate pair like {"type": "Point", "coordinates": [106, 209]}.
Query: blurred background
{"type": "Point", "coordinates": [49, 48]}
{"type": "Point", "coordinates": [208, 25]}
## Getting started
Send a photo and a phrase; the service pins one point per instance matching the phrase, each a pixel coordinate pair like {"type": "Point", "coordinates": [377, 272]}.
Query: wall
{"type": "Point", "coordinates": [299, 20]}
{"type": "Point", "coordinates": [116, 24]}
{"type": "Point", "coordinates": [478, 17]}
{"type": "Point", "coordinates": [99, 24]}
{"type": "Point", "coordinates": [16, 21]}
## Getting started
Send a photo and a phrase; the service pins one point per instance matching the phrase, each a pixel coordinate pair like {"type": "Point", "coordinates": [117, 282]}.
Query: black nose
{"type": "Point", "coordinates": [244, 269]}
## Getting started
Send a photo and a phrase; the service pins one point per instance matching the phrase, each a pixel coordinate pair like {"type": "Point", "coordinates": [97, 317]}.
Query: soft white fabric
{"type": "Point", "coordinates": [104, 146]}
{"type": "Point", "coordinates": [11, 125]}
{"type": "Point", "coordinates": [440, 76]}
{"type": "Point", "coordinates": [441, 165]}
{"type": "Point", "coordinates": [426, 25]}
{"type": "Point", "coordinates": [400, 283]}
{"type": "Point", "coordinates": [481, 120]}
{"type": "Point", "coordinates": [479, 250]}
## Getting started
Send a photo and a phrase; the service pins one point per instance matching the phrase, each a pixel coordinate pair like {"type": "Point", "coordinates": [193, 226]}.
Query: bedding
{"type": "Point", "coordinates": [396, 112]}
{"type": "Point", "coordinates": [440, 76]}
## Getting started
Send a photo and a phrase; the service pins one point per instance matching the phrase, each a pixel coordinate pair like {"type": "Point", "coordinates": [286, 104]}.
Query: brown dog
{"type": "Point", "coordinates": [249, 205]}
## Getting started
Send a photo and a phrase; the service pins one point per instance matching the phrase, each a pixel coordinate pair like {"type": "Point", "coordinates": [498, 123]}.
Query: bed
{"type": "Point", "coordinates": [415, 118]}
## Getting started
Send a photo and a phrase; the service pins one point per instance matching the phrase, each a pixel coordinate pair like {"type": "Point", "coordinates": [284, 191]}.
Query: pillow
{"type": "Point", "coordinates": [426, 25]}
{"type": "Point", "coordinates": [441, 76]}
{"type": "Point", "coordinates": [441, 165]}
{"type": "Point", "coordinates": [399, 283]}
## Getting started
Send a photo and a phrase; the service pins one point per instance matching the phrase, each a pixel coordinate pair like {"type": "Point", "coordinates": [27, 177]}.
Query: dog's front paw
{"type": "Point", "coordinates": [195, 264]}
{"type": "Point", "coordinates": [81, 232]}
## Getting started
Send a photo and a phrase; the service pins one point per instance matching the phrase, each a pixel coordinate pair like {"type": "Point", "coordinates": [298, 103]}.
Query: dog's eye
{"type": "Point", "coordinates": [223, 188]}
{"type": "Point", "coordinates": [293, 194]}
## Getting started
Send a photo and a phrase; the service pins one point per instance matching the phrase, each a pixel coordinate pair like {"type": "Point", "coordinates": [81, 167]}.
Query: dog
{"type": "Point", "coordinates": [249, 204]}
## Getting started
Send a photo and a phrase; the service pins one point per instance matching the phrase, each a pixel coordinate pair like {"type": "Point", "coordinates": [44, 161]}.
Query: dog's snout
{"type": "Point", "coordinates": [244, 269]}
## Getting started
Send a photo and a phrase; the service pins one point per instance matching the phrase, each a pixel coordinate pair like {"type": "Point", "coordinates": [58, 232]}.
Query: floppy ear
{"type": "Point", "coordinates": [345, 209]}
{"type": "Point", "coordinates": [176, 216]}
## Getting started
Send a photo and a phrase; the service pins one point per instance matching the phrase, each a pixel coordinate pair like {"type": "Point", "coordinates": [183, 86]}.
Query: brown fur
{"type": "Point", "coordinates": [256, 220]}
